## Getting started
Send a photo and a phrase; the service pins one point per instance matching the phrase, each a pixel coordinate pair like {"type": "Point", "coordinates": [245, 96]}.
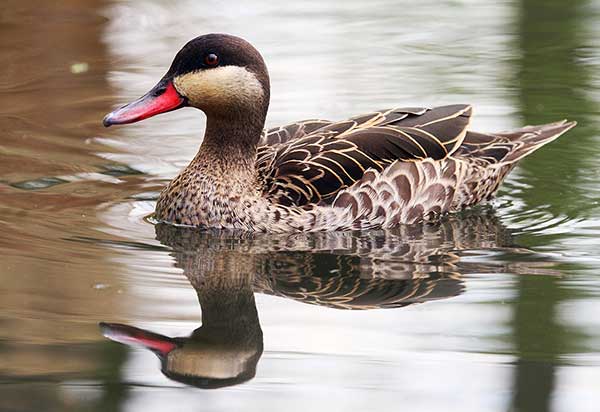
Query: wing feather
{"type": "Point", "coordinates": [282, 134]}
{"type": "Point", "coordinates": [327, 157]}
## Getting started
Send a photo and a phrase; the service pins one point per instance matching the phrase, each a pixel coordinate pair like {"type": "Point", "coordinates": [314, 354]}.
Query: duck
{"type": "Point", "coordinates": [376, 170]}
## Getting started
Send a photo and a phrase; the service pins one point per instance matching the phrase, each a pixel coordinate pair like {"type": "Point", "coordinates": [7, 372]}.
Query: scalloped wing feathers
{"type": "Point", "coordinates": [319, 162]}
{"type": "Point", "coordinates": [406, 192]}
{"type": "Point", "coordinates": [388, 168]}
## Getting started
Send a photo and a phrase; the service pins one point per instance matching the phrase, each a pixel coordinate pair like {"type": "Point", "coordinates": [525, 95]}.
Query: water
{"type": "Point", "coordinates": [490, 310]}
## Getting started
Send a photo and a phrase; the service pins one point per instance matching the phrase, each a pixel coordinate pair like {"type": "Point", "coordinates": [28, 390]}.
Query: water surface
{"type": "Point", "coordinates": [493, 309]}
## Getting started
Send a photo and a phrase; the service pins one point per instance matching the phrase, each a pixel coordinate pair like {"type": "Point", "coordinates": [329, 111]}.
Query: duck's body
{"type": "Point", "coordinates": [377, 170]}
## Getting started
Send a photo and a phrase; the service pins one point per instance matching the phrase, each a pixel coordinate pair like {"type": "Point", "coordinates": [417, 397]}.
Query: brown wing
{"type": "Point", "coordinates": [282, 134]}
{"type": "Point", "coordinates": [314, 168]}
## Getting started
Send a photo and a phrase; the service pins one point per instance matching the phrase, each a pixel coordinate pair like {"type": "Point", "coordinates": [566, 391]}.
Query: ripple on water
{"type": "Point", "coordinates": [344, 321]}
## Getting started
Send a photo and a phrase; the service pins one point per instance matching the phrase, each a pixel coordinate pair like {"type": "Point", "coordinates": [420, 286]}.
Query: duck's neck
{"type": "Point", "coordinates": [222, 172]}
{"type": "Point", "coordinates": [229, 146]}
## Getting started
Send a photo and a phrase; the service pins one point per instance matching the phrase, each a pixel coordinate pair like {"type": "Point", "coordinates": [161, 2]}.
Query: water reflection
{"type": "Point", "coordinates": [224, 351]}
{"type": "Point", "coordinates": [342, 270]}
{"type": "Point", "coordinates": [552, 80]}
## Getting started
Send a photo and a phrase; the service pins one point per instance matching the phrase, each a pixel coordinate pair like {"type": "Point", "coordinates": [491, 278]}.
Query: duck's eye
{"type": "Point", "coordinates": [211, 60]}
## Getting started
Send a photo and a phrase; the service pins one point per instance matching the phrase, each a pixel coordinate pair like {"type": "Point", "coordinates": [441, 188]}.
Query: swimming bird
{"type": "Point", "coordinates": [376, 170]}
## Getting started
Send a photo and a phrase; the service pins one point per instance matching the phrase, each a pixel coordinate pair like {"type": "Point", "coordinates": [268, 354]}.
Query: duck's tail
{"type": "Point", "coordinates": [492, 156]}
{"type": "Point", "coordinates": [530, 138]}
{"type": "Point", "coordinates": [508, 147]}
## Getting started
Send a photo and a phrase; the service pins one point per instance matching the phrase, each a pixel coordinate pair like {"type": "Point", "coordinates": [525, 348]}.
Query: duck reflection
{"type": "Point", "coordinates": [224, 351]}
{"type": "Point", "coordinates": [344, 270]}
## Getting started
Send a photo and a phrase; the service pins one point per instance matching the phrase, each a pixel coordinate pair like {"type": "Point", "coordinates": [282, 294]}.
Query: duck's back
{"type": "Point", "coordinates": [421, 162]}
{"type": "Point", "coordinates": [311, 162]}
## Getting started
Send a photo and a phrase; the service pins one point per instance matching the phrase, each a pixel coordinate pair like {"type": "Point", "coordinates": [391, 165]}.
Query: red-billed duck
{"type": "Point", "coordinates": [376, 170]}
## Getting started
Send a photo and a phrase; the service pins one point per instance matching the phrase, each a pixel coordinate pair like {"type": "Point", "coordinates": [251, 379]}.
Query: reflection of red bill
{"type": "Point", "coordinates": [162, 98]}
{"type": "Point", "coordinates": [129, 335]}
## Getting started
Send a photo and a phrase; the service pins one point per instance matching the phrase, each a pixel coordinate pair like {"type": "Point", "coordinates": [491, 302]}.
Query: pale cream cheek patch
{"type": "Point", "coordinates": [219, 86]}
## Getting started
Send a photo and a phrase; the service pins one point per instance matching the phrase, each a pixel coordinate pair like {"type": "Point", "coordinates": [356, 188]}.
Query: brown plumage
{"type": "Point", "coordinates": [376, 170]}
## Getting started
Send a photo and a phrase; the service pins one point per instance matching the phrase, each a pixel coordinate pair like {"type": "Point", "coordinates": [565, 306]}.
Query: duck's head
{"type": "Point", "coordinates": [202, 360]}
{"type": "Point", "coordinates": [220, 74]}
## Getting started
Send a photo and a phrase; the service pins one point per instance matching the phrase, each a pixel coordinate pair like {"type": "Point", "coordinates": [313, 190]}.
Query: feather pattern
{"type": "Point", "coordinates": [377, 170]}
{"type": "Point", "coordinates": [313, 167]}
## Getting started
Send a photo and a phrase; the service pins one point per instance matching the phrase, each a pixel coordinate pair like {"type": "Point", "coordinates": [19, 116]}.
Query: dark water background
{"type": "Point", "coordinates": [495, 310]}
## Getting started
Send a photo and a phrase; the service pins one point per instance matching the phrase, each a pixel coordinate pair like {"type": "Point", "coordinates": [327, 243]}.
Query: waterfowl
{"type": "Point", "coordinates": [376, 170]}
